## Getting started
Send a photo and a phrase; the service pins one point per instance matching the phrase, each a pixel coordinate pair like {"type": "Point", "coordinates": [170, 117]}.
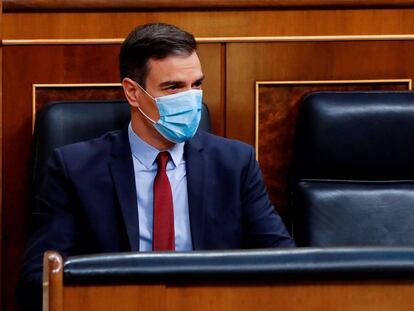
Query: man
{"type": "Point", "coordinates": [158, 184]}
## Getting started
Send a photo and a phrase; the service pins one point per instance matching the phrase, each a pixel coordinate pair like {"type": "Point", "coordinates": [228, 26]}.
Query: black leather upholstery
{"type": "Point", "coordinates": [66, 122]}
{"type": "Point", "coordinates": [353, 172]}
{"type": "Point", "coordinates": [248, 265]}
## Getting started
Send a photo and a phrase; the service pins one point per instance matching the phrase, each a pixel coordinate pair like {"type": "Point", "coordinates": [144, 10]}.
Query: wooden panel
{"type": "Point", "coordinates": [45, 94]}
{"type": "Point", "coordinates": [277, 109]}
{"type": "Point", "coordinates": [129, 298]}
{"type": "Point", "coordinates": [303, 61]}
{"type": "Point", "coordinates": [59, 64]}
{"type": "Point", "coordinates": [352, 296]}
{"type": "Point", "coordinates": [212, 23]}
{"type": "Point", "coordinates": [34, 5]}
{"type": "Point", "coordinates": [332, 296]}
{"type": "Point", "coordinates": [211, 56]}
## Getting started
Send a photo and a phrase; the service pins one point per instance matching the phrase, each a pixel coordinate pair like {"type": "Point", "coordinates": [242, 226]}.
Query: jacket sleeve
{"type": "Point", "coordinates": [263, 225]}
{"type": "Point", "coordinates": [54, 228]}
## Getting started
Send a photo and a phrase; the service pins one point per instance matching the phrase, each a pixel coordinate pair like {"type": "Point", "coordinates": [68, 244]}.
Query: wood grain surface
{"type": "Point", "coordinates": [36, 5]}
{"type": "Point", "coordinates": [332, 296]}
{"type": "Point", "coordinates": [53, 281]}
{"type": "Point", "coordinates": [210, 23]}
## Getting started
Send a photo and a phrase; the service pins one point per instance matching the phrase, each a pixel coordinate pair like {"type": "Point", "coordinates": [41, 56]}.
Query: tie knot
{"type": "Point", "coordinates": [162, 159]}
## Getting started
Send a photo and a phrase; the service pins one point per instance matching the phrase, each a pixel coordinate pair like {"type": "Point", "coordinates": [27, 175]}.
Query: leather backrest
{"type": "Point", "coordinates": [353, 172]}
{"type": "Point", "coordinates": [356, 135]}
{"type": "Point", "coordinates": [66, 122]}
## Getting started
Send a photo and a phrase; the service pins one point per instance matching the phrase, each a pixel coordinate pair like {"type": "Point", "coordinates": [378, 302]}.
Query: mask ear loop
{"type": "Point", "coordinates": [139, 108]}
{"type": "Point", "coordinates": [149, 95]}
{"type": "Point", "coordinates": [148, 118]}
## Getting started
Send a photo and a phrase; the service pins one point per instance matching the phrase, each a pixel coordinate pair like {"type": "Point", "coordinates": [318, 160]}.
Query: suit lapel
{"type": "Point", "coordinates": [122, 170]}
{"type": "Point", "coordinates": [196, 166]}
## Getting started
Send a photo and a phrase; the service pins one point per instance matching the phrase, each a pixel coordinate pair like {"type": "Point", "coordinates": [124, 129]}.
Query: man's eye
{"type": "Point", "coordinates": [197, 84]}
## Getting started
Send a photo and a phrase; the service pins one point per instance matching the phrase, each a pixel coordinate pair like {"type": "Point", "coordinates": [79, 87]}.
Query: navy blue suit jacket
{"type": "Point", "coordinates": [87, 203]}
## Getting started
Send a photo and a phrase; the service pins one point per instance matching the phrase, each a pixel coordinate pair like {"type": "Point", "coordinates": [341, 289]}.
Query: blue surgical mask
{"type": "Point", "coordinates": [180, 114]}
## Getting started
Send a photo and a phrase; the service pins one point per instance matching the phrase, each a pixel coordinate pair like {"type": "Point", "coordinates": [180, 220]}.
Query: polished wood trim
{"type": "Point", "coordinates": [409, 81]}
{"type": "Point", "coordinates": [256, 39]}
{"type": "Point", "coordinates": [259, 83]}
{"type": "Point", "coordinates": [396, 37]}
{"type": "Point", "coordinates": [76, 85]}
{"type": "Point", "coordinates": [223, 92]}
{"type": "Point", "coordinates": [256, 115]}
{"type": "Point", "coordinates": [62, 41]}
{"type": "Point", "coordinates": [1, 176]}
{"type": "Point", "coordinates": [66, 5]}
{"type": "Point", "coordinates": [63, 85]}
{"type": "Point", "coordinates": [1, 157]}
{"type": "Point", "coordinates": [52, 281]}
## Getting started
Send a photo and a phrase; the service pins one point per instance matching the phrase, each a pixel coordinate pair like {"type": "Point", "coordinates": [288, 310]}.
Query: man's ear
{"type": "Point", "coordinates": [131, 91]}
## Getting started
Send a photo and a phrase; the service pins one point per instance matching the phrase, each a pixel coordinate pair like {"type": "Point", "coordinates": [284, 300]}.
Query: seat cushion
{"type": "Point", "coordinates": [337, 213]}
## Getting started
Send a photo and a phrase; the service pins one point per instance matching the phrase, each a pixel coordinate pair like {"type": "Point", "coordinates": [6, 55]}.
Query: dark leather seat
{"type": "Point", "coordinates": [66, 122]}
{"type": "Point", "coordinates": [353, 169]}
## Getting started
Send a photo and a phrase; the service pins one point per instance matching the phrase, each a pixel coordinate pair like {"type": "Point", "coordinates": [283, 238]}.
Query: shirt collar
{"type": "Point", "coordinates": [146, 154]}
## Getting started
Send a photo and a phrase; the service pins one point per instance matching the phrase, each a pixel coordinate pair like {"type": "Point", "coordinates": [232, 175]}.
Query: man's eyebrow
{"type": "Point", "coordinates": [177, 82]}
{"type": "Point", "coordinates": [171, 82]}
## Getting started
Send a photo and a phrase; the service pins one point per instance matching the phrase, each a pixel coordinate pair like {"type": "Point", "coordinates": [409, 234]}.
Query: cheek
{"type": "Point", "coordinates": [150, 108]}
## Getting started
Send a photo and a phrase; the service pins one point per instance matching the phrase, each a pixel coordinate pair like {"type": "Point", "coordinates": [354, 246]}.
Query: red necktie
{"type": "Point", "coordinates": [163, 237]}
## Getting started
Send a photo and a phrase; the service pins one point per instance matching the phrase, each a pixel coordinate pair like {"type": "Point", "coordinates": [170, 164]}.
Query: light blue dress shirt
{"type": "Point", "coordinates": [145, 169]}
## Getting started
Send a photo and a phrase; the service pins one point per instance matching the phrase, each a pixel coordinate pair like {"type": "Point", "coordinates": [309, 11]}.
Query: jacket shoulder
{"type": "Point", "coordinates": [86, 155]}
{"type": "Point", "coordinates": [215, 143]}
{"type": "Point", "coordinates": [87, 147]}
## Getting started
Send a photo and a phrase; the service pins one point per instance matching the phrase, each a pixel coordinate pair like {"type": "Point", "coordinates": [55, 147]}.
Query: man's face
{"type": "Point", "coordinates": [174, 74]}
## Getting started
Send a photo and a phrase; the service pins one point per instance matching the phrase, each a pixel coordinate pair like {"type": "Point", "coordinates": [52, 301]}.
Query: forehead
{"type": "Point", "coordinates": [174, 68]}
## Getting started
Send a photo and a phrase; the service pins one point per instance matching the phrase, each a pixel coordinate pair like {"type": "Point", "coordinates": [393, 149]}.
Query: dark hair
{"type": "Point", "coordinates": [152, 41]}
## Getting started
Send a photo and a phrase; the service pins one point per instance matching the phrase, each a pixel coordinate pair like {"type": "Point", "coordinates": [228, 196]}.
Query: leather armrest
{"type": "Point", "coordinates": [251, 265]}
